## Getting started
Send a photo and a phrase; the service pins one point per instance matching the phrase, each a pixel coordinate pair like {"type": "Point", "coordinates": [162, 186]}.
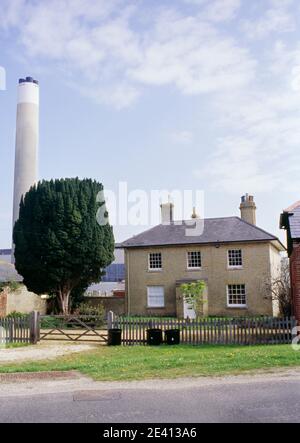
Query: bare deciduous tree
{"type": "Point", "coordinates": [279, 289]}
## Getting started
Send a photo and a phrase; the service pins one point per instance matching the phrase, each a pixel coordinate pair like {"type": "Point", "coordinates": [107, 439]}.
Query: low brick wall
{"type": "Point", "coordinates": [115, 304]}
{"type": "Point", "coordinates": [295, 277]}
{"type": "Point", "coordinates": [3, 303]}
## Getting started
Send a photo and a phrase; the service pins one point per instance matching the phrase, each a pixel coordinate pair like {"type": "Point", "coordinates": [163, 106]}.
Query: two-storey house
{"type": "Point", "coordinates": [236, 259]}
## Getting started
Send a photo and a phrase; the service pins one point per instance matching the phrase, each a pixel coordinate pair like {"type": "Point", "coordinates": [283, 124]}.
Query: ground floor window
{"type": "Point", "coordinates": [155, 297]}
{"type": "Point", "coordinates": [236, 295]}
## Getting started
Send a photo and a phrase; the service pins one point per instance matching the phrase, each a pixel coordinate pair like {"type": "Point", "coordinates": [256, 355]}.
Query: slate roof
{"type": "Point", "coordinates": [291, 216]}
{"type": "Point", "coordinates": [295, 223]}
{"type": "Point", "coordinates": [215, 230]}
{"type": "Point", "coordinates": [8, 272]}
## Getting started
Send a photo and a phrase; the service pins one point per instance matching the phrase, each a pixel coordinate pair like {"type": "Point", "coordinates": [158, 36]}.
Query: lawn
{"type": "Point", "coordinates": [138, 363]}
{"type": "Point", "coordinates": [15, 345]}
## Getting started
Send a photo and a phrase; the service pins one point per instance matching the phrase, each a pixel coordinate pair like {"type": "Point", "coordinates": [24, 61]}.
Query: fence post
{"type": "Point", "coordinates": [293, 332]}
{"type": "Point", "coordinates": [34, 322]}
{"type": "Point", "coordinates": [11, 329]}
{"type": "Point", "coordinates": [110, 320]}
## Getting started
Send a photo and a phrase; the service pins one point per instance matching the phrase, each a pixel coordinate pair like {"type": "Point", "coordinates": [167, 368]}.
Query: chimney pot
{"type": "Point", "coordinates": [194, 214]}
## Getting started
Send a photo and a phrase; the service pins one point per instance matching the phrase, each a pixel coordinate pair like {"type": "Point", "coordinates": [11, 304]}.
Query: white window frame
{"type": "Point", "coordinates": [155, 306]}
{"type": "Point", "coordinates": [234, 266]}
{"type": "Point", "coordinates": [154, 269]}
{"type": "Point", "coordinates": [193, 268]}
{"type": "Point", "coordinates": [229, 305]}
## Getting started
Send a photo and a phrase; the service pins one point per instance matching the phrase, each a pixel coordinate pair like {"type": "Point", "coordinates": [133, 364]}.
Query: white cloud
{"type": "Point", "coordinates": [279, 18]}
{"type": "Point", "coordinates": [263, 152]}
{"type": "Point", "coordinates": [195, 2]}
{"type": "Point", "coordinates": [118, 96]}
{"type": "Point", "coordinates": [284, 62]}
{"type": "Point", "coordinates": [2, 79]}
{"type": "Point", "coordinates": [235, 165]}
{"type": "Point", "coordinates": [216, 10]}
{"type": "Point", "coordinates": [296, 78]}
{"type": "Point", "coordinates": [182, 137]}
{"type": "Point", "coordinates": [221, 10]}
{"type": "Point", "coordinates": [90, 42]}
{"type": "Point", "coordinates": [11, 13]}
{"type": "Point", "coordinates": [110, 52]}
{"type": "Point", "coordinates": [191, 55]}
{"type": "Point", "coordinates": [99, 44]}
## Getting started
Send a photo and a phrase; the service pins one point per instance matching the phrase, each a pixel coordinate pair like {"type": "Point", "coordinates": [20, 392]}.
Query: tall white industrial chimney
{"type": "Point", "coordinates": [27, 135]}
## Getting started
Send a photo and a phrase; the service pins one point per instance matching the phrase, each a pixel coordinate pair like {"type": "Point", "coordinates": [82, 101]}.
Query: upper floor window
{"type": "Point", "coordinates": [236, 296]}
{"type": "Point", "coordinates": [155, 261]}
{"type": "Point", "coordinates": [194, 259]}
{"type": "Point", "coordinates": [235, 259]}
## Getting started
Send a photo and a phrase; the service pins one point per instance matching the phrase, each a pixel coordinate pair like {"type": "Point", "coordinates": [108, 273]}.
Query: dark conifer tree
{"type": "Point", "coordinates": [60, 246]}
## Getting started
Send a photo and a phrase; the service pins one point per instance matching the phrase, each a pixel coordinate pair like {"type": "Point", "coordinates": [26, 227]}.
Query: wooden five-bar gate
{"type": "Point", "coordinates": [76, 328]}
{"type": "Point", "coordinates": [241, 331]}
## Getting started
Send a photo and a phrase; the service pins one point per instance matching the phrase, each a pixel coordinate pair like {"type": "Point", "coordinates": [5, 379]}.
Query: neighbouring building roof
{"type": "Point", "coordinates": [8, 272]}
{"type": "Point", "coordinates": [215, 230]}
{"type": "Point", "coordinates": [290, 219]}
{"type": "Point", "coordinates": [5, 251]}
{"type": "Point", "coordinates": [104, 289]}
{"type": "Point", "coordinates": [5, 255]}
{"type": "Point", "coordinates": [114, 273]}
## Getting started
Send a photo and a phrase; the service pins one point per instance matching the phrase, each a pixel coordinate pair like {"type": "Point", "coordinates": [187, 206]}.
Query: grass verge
{"type": "Point", "coordinates": [138, 363]}
{"type": "Point", "coordinates": [15, 345]}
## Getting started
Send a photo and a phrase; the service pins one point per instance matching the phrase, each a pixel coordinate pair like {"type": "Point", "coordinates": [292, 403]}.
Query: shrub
{"type": "Point", "coordinates": [193, 295]}
{"type": "Point", "coordinates": [48, 322]}
{"type": "Point", "coordinates": [90, 312]}
{"type": "Point", "coordinates": [16, 314]}
{"type": "Point", "coordinates": [86, 308]}
{"type": "Point", "coordinates": [11, 285]}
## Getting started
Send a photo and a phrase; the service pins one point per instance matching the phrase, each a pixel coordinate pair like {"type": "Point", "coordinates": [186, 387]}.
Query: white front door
{"type": "Point", "coordinates": [188, 310]}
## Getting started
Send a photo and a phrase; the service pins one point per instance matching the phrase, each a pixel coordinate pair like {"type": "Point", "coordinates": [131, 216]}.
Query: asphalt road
{"type": "Point", "coordinates": [249, 400]}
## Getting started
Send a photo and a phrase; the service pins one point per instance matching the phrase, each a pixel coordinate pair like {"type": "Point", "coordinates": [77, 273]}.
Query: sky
{"type": "Point", "coordinates": [161, 94]}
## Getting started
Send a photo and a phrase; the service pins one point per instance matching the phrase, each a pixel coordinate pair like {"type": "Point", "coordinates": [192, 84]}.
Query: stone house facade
{"type": "Point", "coordinates": [232, 256]}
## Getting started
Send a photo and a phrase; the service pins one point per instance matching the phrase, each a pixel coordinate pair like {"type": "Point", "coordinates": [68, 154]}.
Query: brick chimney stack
{"type": "Point", "coordinates": [248, 209]}
{"type": "Point", "coordinates": [167, 213]}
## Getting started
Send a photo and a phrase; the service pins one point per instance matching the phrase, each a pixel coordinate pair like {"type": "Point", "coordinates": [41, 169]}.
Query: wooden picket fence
{"type": "Point", "coordinates": [225, 331]}
{"type": "Point", "coordinates": [23, 329]}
